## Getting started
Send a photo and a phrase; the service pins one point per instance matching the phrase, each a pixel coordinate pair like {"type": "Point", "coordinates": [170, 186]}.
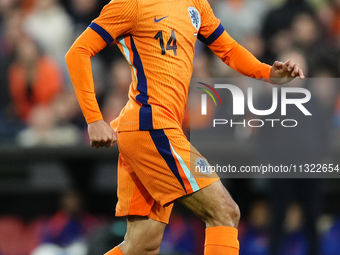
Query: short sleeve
{"type": "Point", "coordinates": [117, 18]}
{"type": "Point", "coordinates": [211, 27]}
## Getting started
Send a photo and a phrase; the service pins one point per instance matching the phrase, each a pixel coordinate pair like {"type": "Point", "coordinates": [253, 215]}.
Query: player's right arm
{"type": "Point", "coordinates": [117, 18]}
{"type": "Point", "coordinates": [78, 60]}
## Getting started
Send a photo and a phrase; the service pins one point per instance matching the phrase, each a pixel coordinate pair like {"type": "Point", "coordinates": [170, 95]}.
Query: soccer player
{"type": "Point", "coordinates": [157, 38]}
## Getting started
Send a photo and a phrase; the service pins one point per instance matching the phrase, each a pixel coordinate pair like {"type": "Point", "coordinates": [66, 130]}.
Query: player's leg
{"type": "Point", "coordinates": [174, 176]}
{"type": "Point", "coordinates": [146, 219]}
{"type": "Point", "coordinates": [143, 237]}
{"type": "Point", "coordinates": [162, 170]}
{"type": "Point", "coordinates": [214, 205]}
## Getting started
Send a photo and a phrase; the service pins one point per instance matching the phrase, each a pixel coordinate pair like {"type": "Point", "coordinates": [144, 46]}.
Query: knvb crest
{"type": "Point", "coordinates": [195, 17]}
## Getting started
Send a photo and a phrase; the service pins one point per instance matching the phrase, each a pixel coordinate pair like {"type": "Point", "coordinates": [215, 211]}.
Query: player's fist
{"type": "Point", "coordinates": [101, 134]}
{"type": "Point", "coordinates": [281, 73]}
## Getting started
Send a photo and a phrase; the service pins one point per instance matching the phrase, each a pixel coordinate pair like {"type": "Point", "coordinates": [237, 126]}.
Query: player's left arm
{"type": "Point", "coordinates": [241, 60]}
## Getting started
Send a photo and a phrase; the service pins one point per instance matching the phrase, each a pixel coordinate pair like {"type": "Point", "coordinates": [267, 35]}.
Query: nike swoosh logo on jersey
{"type": "Point", "coordinates": [158, 20]}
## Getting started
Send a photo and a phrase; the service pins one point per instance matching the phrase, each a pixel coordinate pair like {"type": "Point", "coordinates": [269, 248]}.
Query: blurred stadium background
{"type": "Point", "coordinates": [57, 195]}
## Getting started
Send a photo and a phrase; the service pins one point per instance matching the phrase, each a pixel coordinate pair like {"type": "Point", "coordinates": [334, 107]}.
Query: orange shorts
{"type": "Point", "coordinates": [154, 169]}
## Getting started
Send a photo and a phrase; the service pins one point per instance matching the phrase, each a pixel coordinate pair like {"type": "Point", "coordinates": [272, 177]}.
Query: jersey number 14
{"type": "Point", "coordinates": [172, 41]}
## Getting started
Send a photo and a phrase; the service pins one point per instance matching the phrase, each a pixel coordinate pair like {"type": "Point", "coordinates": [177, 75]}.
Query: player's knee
{"type": "Point", "coordinates": [228, 215]}
{"type": "Point", "coordinates": [141, 248]}
{"type": "Point", "coordinates": [151, 250]}
{"type": "Point", "coordinates": [231, 214]}
{"type": "Point", "coordinates": [146, 250]}
{"type": "Point", "coordinates": [235, 213]}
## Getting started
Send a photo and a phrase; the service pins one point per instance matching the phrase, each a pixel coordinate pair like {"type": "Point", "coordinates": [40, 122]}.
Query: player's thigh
{"type": "Point", "coordinates": [214, 205]}
{"type": "Point", "coordinates": [143, 236]}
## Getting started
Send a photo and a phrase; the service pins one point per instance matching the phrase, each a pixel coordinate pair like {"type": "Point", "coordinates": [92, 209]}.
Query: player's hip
{"type": "Point", "coordinates": [161, 152]}
{"type": "Point", "coordinates": [164, 161]}
{"type": "Point", "coordinates": [149, 143]}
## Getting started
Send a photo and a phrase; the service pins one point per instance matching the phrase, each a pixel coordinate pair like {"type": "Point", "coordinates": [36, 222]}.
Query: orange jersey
{"type": "Point", "coordinates": [157, 39]}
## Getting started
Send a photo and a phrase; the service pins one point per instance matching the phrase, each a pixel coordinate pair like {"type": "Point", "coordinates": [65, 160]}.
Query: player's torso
{"type": "Point", "coordinates": [160, 51]}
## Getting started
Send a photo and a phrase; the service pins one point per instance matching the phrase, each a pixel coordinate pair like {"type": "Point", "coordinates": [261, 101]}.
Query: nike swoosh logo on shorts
{"type": "Point", "coordinates": [158, 20]}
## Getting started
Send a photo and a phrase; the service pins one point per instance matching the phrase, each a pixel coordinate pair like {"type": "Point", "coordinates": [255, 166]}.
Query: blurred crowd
{"type": "Point", "coordinates": [38, 107]}
{"type": "Point", "coordinates": [74, 231]}
{"type": "Point", "coordinates": [37, 104]}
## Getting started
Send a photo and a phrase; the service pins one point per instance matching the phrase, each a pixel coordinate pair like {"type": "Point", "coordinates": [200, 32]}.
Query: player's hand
{"type": "Point", "coordinates": [281, 73]}
{"type": "Point", "coordinates": [101, 134]}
